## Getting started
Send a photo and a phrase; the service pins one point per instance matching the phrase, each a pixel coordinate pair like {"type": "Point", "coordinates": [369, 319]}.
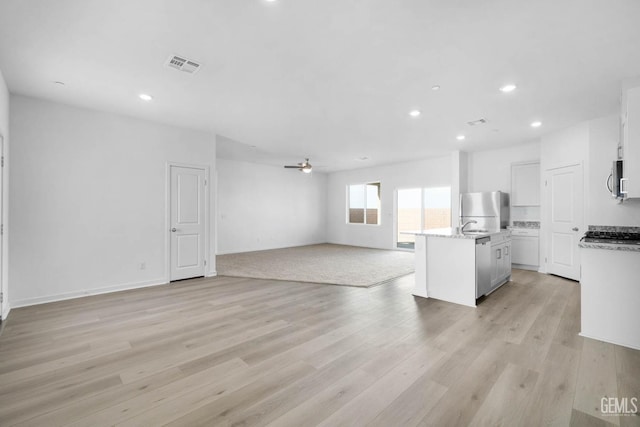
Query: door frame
{"type": "Point", "coordinates": [395, 215]}
{"type": "Point", "coordinates": [545, 226]}
{"type": "Point", "coordinates": [3, 247]}
{"type": "Point", "coordinates": [422, 210]}
{"type": "Point", "coordinates": [167, 220]}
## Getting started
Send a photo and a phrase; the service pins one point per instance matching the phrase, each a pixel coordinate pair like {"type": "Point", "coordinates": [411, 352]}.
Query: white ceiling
{"type": "Point", "coordinates": [332, 80]}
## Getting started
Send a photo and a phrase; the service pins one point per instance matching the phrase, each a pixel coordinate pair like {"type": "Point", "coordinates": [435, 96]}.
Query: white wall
{"type": "Point", "coordinates": [602, 209]}
{"type": "Point", "coordinates": [266, 207]}
{"type": "Point", "coordinates": [459, 183]}
{"type": "Point", "coordinates": [4, 131]}
{"type": "Point", "coordinates": [433, 172]}
{"type": "Point", "coordinates": [565, 147]}
{"type": "Point", "coordinates": [491, 170]}
{"type": "Point", "coordinates": [88, 199]}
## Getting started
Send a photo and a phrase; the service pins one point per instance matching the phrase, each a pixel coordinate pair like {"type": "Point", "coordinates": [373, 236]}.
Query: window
{"type": "Point", "coordinates": [364, 203]}
{"type": "Point", "coordinates": [408, 216]}
{"type": "Point", "coordinates": [421, 209]}
{"type": "Point", "coordinates": [437, 207]}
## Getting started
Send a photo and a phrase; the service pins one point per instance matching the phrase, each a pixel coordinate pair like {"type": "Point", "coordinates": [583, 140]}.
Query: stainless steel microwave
{"type": "Point", "coordinates": [616, 181]}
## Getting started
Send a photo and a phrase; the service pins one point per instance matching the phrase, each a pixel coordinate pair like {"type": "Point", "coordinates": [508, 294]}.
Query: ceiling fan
{"type": "Point", "coordinates": [302, 167]}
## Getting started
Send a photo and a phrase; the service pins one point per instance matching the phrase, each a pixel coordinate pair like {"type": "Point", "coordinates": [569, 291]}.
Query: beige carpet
{"type": "Point", "coordinates": [325, 263]}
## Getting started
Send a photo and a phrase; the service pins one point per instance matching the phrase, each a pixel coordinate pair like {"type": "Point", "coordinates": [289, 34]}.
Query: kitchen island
{"type": "Point", "coordinates": [460, 267]}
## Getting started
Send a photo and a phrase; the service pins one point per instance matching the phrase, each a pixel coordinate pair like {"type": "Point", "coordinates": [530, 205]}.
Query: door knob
{"type": "Point", "coordinates": [173, 230]}
{"type": "Point", "coordinates": [575, 228]}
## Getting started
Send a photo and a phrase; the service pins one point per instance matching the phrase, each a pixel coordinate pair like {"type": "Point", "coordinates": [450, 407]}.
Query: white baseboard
{"type": "Point", "coordinates": [5, 311]}
{"type": "Point", "coordinates": [211, 274]}
{"type": "Point", "coordinates": [526, 267]}
{"type": "Point", "coordinates": [635, 347]}
{"type": "Point", "coordinates": [85, 293]}
{"type": "Point", "coordinates": [269, 248]}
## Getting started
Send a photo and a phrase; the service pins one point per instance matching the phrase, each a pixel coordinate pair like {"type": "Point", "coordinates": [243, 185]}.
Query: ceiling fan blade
{"type": "Point", "coordinates": [302, 167]}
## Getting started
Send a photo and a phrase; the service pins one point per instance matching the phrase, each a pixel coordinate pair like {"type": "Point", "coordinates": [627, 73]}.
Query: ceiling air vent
{"type": "Point", "coordinates": [183, 64]}
{"type": "Point", "coordinates": [477, 122]}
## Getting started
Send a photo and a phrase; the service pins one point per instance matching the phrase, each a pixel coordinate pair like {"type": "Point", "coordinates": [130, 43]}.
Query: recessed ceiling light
{"type": "Point", "coordinates": [460, 137]}
{"type": "Point", "coordinates": [536, 124]}
{"type": "Point", "coordinates": [508, 88]}
{"type": "Point", "coordinates": [435, 87]}
{"type": "Point", "coordinates": [414, 113]}
{"type": "Point", "coordinates": [145, 97]}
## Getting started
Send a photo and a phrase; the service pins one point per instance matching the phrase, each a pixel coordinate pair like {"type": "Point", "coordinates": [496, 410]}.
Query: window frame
{"type": "Point", "coordinates": [423, 217]}
{"type": "Point", "coordinates": [379, 207]}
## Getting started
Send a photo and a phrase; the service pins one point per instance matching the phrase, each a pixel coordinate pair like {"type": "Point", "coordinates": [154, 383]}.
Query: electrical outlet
{"type": "Point", "coordinates": [143, 265]}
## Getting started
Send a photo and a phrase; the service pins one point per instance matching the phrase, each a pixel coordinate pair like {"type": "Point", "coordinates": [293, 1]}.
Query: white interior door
{"type": "Point", "coordinates": [565, 194]}
{"type": "Point", "coordinates": [187, 224]}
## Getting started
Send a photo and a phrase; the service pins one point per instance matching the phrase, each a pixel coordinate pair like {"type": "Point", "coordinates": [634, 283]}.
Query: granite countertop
{"type": "Point", "coordinates": [615, 228]}
{"type": "Point", "coordinates": [610, 246]}
{"type": "Point", "coordinates": [526, 224]}
{"type": "Point", "coordinates": [452, 233]}
{"type": "Point", "coordinates": [626, 247]}
{"type": "Point", "coordinates": [449, 232]}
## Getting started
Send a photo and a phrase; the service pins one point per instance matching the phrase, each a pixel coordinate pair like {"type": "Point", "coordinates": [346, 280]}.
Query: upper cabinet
{"type": "Point", "coordinates": [630, 135]}
{"type": "Point", "coordinates": [525, 184]}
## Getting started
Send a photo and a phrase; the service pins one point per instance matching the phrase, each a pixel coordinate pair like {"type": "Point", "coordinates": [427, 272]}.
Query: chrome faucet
{"type": "Point", "coordinates": [471, 221]}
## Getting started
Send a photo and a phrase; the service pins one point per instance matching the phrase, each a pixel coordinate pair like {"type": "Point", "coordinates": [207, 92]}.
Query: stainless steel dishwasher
{"type": "Point", "coordinates": [483, 265]}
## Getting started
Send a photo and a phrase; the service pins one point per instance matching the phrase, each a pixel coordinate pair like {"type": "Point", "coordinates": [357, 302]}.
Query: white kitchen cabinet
{"type": "Point", "coordinates": [496, 263]}
{"type": "Point", "coordinates": [500, 263]}
{"type": "Point", "coordinates": [506, 260]}
{"type": "Point", "coordinates": [631, 139]}
{"type": "Point", "coordinates": [525, 184]}
{"type": "Point", "coordinates": [609, 296]}
{"type": "Point", "coordinates": [500, 259]}
{"type": "Point", "coordinates": [525, 248]}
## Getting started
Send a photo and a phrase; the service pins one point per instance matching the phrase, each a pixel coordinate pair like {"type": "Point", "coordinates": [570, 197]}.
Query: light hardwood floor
{"type": "Point", "coordinates": [241, 352]}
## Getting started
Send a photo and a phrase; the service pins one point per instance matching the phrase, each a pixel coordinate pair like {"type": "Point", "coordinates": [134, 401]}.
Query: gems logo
{"type": "Point", "coordinates": [619, 406]}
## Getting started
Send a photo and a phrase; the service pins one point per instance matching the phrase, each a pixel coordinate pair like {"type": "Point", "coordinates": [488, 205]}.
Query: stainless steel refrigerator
{"type": "Point", "coordinates": [489, 210]}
